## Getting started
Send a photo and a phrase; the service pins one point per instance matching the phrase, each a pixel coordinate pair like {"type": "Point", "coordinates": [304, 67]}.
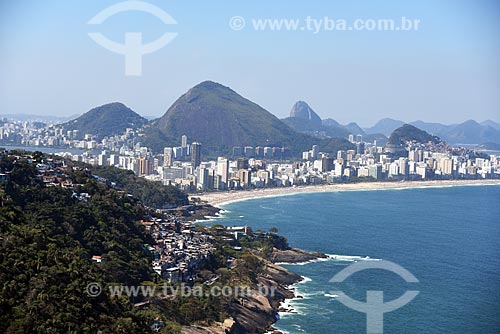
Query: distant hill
{"type": "Point", "coordinates": [354, 129]}
{"type": "Point", "coordinates": [302, 125]}
{"type": "Point", "coordinates": [397, 140]}
{"type": "Point", "coordinates": [471, 132]}
{"type": "Point", "coordinates": [303, 111]}
{"type": "Point", "coordinates": [106, 120]}
{"type": "Point", "coordinates": [385, 126]}
{"type": "Point", "coordinates": [380, 138]}
{"type": "Point", "coordinates": [330, 122]}
{"type": "Point", "coordinates": [409, 132]}
{"type": "Point", "coordinates": [311, 128]}
{"type": "Point", "coordinates": [468, 132]}
{"type": "Point", "coordinates": [491, 123]}
{"type": "Point", "coordinates": [433, 128]}
{"type": "Point", "coordinates": [220, 118]}
{"type": "Point", "coordinates": [304, 119]}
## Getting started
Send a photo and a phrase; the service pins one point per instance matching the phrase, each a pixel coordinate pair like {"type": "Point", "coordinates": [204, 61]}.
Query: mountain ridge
{"type": "Point", "coordinates": [467, 132]}
{"type": "Point", "coordinates": [219, 118]}
{"type": "Point", "coordinates": [236, 121]}
{"type": "Point", "coordinates": [408, 132]}
{"type": "Point", "coordinates": [105, 120]}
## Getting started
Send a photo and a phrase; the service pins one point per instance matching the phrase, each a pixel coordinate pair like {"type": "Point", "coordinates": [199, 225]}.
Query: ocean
{"type": "Point", "coordinates": [448, 238]}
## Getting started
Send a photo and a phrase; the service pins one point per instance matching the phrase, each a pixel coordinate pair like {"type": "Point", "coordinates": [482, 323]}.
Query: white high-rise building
{"type": "Point", "coordinates": [223, 169]}
{"type": "Point", "coordinates": [393, 169]}
{"type": "Point", "coordinates": [446, 166]}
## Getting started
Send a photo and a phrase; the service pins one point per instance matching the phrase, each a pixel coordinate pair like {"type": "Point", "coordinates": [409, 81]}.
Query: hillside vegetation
{"type": "Point", "coordinates": [106, 120]}
{"type": "Point", "coordinates": [151, 194]}
{"type": "Point", "coordinates": [408, 132]}
{"type": "Point", "coordinates": [48, 237]}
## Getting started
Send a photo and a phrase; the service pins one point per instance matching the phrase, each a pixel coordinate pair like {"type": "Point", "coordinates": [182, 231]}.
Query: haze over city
{"type": "Point", "coordinates": [447, 71]}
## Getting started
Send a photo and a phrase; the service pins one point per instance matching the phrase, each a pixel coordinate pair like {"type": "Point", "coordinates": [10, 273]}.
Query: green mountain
{"type": "Point", "coordinates": [106, 120]}
{"type": "Point", "coordinates": [48, 237]}
{"type": "Point", "coordinates": [62, 248]}
{"type": "Point", "coordinates": [409, 132]}
{"type": "Point", "coordinates": [220, 118]}
{"type": "Point", "coordinates": [151, 194]}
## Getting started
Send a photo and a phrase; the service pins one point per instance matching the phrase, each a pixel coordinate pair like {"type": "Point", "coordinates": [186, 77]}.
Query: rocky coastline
{"type": "Point", "coordinates": [195, 212]}
{"type": "Point", "coordinates": [294, 256]}
{"type": "Point", "coordinates": [255, 313]}
{"type": "Point", "coordinates": [259, 313]}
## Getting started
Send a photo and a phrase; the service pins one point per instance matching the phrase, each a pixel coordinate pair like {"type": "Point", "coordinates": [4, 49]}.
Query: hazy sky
{"type": "Point", "coordinates": [447, 71]}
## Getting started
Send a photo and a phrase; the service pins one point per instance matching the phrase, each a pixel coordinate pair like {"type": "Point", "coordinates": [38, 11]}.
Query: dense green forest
{"type": "Point", "coordinates": [47, 239]}
{"type": "Point", "coordinates": [408, 132]}
{"type": "Point", "coordinates": [49, 234]}
{"type": "Point", "coordinates": [152, 194]}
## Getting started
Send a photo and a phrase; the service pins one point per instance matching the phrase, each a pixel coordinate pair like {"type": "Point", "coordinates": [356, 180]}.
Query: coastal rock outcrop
{"type": "Point", "coordinates": [294, 255]}
{"type": "Point", "coordinates": [257, 312]}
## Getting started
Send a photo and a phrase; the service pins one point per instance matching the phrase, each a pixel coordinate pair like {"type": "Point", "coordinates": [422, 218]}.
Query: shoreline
{"type": "Point", "coordinates": [281, 305]}
{"type": "Point", "coordinates": [286, 307]}
{"type": "Point", "coordinates": [218, 199]}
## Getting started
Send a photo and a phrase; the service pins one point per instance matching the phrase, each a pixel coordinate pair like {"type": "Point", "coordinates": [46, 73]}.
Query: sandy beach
{"type": "Point", "coordinates": [224, 197]}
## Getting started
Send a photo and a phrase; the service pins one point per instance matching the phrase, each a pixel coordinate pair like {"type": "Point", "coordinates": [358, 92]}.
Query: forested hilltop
{"type": "Point", "coordinates": [62, 227]}
{"type": "Point", "coordinates": [48, 236]}
{"type": "Point", "coordinates": [55, 217]}
{"type": "Point", "coordinates": [151, 194]}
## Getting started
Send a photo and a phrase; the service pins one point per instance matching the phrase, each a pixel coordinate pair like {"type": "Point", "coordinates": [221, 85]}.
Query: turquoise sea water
{"type": "Point", "coordinates": [449, 238]}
